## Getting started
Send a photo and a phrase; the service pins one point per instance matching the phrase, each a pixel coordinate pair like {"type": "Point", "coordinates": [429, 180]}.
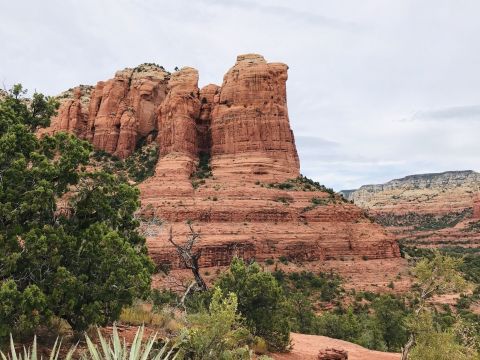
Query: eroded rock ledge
{"type": "Point", "coordinates": [225, 152]}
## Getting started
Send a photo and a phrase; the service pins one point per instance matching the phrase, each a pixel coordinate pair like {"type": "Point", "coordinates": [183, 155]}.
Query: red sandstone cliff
{"type": "Point", "coordinates": [243, 126]}
{"type": "Point", "coordinates": [120, 111]}
{"type": "Point", "coordinates": [250, 125]}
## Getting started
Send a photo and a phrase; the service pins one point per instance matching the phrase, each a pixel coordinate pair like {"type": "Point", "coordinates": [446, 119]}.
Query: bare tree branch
{"type": "Point", "coordinates": [190, 258]}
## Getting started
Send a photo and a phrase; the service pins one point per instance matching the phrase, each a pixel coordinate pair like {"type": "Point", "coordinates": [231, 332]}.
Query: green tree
{"type": "Point", "coordinates": [261, 302]}
{"type": "Point", "coordinates": [302, 315]}
{"type": "Point", "coordinates": [216, 333]}
{"type": "Point", "coordinates": [435, 276]}
{"type": "Point", "coordinates": [69, 244]}
{"type": "Point", "coordinates": [345, 326]}
{"type": "Point", "coordinates": [389, 313]}
{"type": "Point", "coordinates": [434, 344]}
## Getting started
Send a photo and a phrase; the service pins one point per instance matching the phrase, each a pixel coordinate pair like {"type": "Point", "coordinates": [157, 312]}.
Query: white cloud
{"type": "Point", "coordinates": [356, 68]}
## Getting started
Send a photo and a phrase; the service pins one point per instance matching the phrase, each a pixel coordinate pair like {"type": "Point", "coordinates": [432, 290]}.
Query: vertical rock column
{"type": "Point", "coordinates": [107, 123]}
{"type": "Point", "coordinates": [122, 110]}
{"type": "Point", "coordinates": [250, 128]}
{"type": "Point", "coordinates": [177, 114]}
{"type": "Point", "coordinates": [177, 136]}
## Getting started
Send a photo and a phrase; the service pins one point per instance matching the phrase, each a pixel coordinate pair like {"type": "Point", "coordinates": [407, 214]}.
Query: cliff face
{"type": "Point", "coordinates": [117, 113]}
{"type": "Point", "coordinates": [228, 162]}
{"type": "Point", "coordinates": [250, 125]}
{"type": "Point", "coordinates": [426, 210]}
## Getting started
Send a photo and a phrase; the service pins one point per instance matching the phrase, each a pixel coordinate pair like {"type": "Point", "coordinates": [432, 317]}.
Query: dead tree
{"type": "Point", "coordinates": [190, 257]}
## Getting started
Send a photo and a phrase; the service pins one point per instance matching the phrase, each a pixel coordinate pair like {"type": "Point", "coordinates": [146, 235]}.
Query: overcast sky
{"type": "Point", "coordinates": [377, 89]}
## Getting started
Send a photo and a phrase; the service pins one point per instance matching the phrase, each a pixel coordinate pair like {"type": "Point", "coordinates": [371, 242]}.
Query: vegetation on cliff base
{"type": "Point", "coordinates": [261, 301]}
{"type": "Point", "coordinates": [137, 167]}
{"type": "Point", "coordinates": [301, 183]}
{"type": "Point", "coordinates": [69, 245]}
{"type": "Point", "coordinates": [423, 221]}
{"type": "Point", "coordinates": [204, 170]}
{"type": "Point", "coordinates": [216, 333]}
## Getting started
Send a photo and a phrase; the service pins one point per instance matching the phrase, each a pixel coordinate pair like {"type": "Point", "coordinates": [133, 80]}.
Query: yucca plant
{"type": "Point", "coordinates": [113, 349]}
{"type": "Point", "coordinates": [116, 349]}
{"type": "Point", "coordinates": [31, 353]}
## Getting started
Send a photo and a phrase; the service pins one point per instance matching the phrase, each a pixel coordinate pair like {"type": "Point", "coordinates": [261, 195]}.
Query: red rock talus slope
{"type": "Point", "coordinates": [427, 210]}
{"type": "Point", "coordinates": [226, 156]}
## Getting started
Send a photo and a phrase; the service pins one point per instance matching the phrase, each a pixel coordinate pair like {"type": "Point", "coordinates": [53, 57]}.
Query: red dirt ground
{"type": "Point", "coordinates": [306, 347]}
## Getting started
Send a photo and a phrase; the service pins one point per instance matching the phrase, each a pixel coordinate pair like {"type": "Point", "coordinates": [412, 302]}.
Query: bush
{"type": "Point", "coordinates": [327, 285]}
{"type": "Point", "coordinates": [260, 301]}
{"type": "Point", "coordinates": [260, 346]}
{"type": "Point", "coordinates": [340, 326]}
{"type": "Point", "coordinates": [435, 345]}
{"type": "Point", "coordinates": [160, 298]}
{"type": "Point", "coordinates": [216, 333]}
{"type": "Point", "coordinates": [302, 316]}
{"type": "Point", "coordinates": [269, 262]}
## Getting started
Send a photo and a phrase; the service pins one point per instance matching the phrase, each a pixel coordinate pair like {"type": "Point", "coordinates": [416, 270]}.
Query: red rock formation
{"type": "Point", "coordinates": [177, 115]}
{"type": "Point", "coordinates": [72, 115]}
{"type": "Point", "coordinates": [476, 207]}
{"type": "Point", "coordinates": [177, 138]}
{"type": "Point", "coordinates": [204, 136]}
{"type": "Point", "coordinates": [244, 126]}
{"type": "Point", "coordinates": [120, 112]}
{"type": "Point", "coordinates": [332, 354]}
{"type": "Point", "coordinates": [123, 109]}
{"type": "Point", "coordinates": [250, 128]}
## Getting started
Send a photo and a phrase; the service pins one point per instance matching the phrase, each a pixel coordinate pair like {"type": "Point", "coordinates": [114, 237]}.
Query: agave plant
{"type": "Point", "coordinates": [115, 349]}
{"type": "Point", "coordinates": [31, 353]}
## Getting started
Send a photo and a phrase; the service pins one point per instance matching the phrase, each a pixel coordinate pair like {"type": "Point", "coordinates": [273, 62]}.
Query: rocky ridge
{"type": "Point", "coordinates": [228, 163]}
{"type": "Point", "coordinates": [440, 209]}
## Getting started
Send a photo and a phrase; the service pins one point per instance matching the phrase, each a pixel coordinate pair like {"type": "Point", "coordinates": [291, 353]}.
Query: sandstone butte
{"type": "Point", "coordinates": [243, 128]}
{"type": "Point", "coordinates": [426, 210]}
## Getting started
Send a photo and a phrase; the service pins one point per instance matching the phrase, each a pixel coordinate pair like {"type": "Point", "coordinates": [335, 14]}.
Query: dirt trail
{"type": "Point", "coordinates": [306, 347]}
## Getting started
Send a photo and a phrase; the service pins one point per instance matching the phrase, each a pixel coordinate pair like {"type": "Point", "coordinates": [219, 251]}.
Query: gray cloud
{"type": "Point", "coordinates": [290, 13]}
{"type": "Point", "coordinates": [455, 113]}
{"type": "Point", "coordinates": [314, 143]}
{"type": "Point", "coordinates": [355, 68]}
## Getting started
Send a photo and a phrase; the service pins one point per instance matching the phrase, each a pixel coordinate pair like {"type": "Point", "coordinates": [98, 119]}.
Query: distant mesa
{"type": "Point", "coordinates": [424, 210]}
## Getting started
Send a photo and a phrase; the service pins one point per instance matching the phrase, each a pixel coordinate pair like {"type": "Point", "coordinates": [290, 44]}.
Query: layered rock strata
{"type": "Point", "coordinates": [116, 114]}
{"type": "Point", "coordinates": [250, 124]}
{"type": "Point", "coordinates": [441, 209]}
{"type": "Point", "coordinates": [227, 160]}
